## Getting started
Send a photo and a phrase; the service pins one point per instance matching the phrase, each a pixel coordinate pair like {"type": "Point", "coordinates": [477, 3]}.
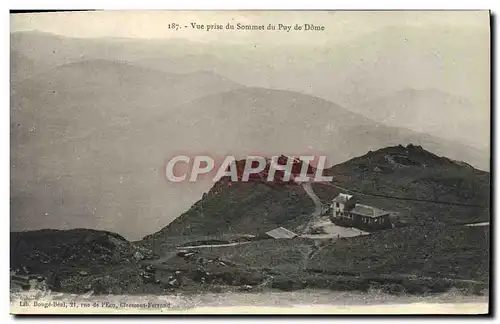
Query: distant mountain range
{"type": "Point", "coordinates": [433, 112]}
{"type": "Point", "coordinates": [92, 125]}
{"type": "Point", "coordinates": [269, 121]}
{"type": "Point", "coordinates": [454, 60]}
{"type": "Point", "coordinates": [73, 129]}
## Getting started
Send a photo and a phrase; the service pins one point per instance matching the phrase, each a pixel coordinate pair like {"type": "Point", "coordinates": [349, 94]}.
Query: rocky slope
{"type": "Point", "coordinates": [71, 251]}
{"type": "Point", "coordinates": [424, 188]}
{"type": "Point", "coordinates": [252, 207]}
{"type": "Point", "coordinates": [433, 252]}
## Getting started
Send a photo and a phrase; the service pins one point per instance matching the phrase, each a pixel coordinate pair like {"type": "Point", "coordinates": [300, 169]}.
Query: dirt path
{"type": "Point", "coordinates": [313, 250]}
{"type": "Point", "coordinates": [211, 245]}
{"type": "Point", "coordinates": [408, 276]}
{"type": "Point", "coordinates": [317, 205]}
{"type": "Point", "coordinates": [478, 224]}
{"type": "Point", "coordinates": [172, 254]}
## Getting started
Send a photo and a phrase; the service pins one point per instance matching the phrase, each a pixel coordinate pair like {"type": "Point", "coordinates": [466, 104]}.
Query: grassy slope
{"type": "Point", "coordinates": [434, 245]}
{"type": "Point", "coordinates": [422, 176]}
{"type": "Point", "coordinates": [247, 208]}
{"type": "Point", "coordinates": [458, 252]}
{"type": "Point", "coordinates": [438, 249]}
{"type": "Point", "coordinates": [448, 252]}
{"type": "Point", "coordinates": [413, 259]}
{"type": "Point", "coordinates": [70, 251]}
{"type": "Point", "coordinates": [253, 208]}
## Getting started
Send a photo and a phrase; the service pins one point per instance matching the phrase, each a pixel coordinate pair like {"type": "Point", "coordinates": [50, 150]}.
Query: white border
{"type": "Point", "coordinates": [189, 4]}
{"type": "Point", "coordinates": [257, 4]}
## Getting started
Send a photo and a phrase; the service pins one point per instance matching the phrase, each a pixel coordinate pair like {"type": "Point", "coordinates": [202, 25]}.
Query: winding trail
{"type": "Point", "coordinates": [172, 254]}
{"type": "Point", "coordinates": [315, 217]}
{"type": "Point", "coordinates": [478, 224]}
{"type": "Point", "coordinates": [317, 203]}
{"type": "Point", "coordinates": [211, 245]}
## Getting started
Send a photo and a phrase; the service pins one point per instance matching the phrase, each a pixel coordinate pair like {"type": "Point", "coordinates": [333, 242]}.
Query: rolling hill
{"type": "Point", "coordinates": [407, 173]}
{"type": "Point", "coordinates": [269, 121]}
{"type": "Point", "coordinates": [432, 253]}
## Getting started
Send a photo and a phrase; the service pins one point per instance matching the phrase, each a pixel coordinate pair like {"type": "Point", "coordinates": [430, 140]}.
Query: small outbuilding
{"type": "Point", "coordinates": [281, 233]}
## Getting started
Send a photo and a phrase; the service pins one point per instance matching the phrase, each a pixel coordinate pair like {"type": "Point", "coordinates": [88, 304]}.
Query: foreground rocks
{"type": "Point", "coordinates": [93, 262]}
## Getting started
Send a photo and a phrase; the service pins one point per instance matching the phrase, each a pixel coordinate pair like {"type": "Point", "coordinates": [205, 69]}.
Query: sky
{"type": "Point", "coordinates": [339, 25]}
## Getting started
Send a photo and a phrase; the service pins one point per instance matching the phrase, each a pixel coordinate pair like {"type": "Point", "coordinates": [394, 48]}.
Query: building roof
{"type": "Point", "coordinates": [281, 232]}
{"type": "Point", "coordinates": [368, 211]}
{"type": "Point", "coordinates": [342, 198]}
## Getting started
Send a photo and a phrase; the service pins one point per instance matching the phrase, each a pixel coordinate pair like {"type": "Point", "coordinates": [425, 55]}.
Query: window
{"type": "Point", "coordinates": [337, 205]}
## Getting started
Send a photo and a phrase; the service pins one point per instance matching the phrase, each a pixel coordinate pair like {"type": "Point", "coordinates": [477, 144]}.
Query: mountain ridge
{"type": "Point", "coordinates": [414, 175]}
{"type": "Point", "coordinates": [428, 111]}
{"type": "Point", "coordinates": [266, 122]}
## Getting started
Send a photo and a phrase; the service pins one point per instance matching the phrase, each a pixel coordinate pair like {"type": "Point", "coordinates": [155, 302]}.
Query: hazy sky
{"type": "Point", "coordinates": [154, 24]}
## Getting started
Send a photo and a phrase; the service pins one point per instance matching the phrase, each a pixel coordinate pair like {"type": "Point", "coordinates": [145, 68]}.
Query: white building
{"type": "Point", "coordinates": [341, 203]}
